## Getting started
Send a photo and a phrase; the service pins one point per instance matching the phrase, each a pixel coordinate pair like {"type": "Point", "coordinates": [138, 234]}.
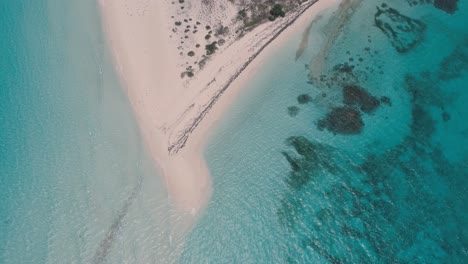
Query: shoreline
{"type": "Point", "coordinates": [175, 147]}
{"type": "Point", "coordinates": [204, 131]}
{"type": "Point", "coordinates": [175, 119]}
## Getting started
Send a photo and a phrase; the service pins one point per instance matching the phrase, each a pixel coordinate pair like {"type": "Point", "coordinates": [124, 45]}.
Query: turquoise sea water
{"type": "Point", "coordinates": [296, 183]}
{"type": "Point", "coordinates": [76, 184]}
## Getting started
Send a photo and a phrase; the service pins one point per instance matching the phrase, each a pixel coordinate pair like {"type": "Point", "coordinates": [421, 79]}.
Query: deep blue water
{"type": "Point", "coordinates": [357, 152]}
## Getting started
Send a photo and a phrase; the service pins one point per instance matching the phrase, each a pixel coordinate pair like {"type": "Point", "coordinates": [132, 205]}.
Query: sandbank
{"type": "Point", "coordinates": [176, 115]}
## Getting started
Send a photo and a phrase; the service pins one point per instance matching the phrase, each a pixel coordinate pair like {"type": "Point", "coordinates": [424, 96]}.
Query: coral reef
{"type": "Point", "coordinates": [387, 195]}
{"type": "Point", "coordinates": [342, 120]}
{"type": "Point", "coordinates": [293, 111]}
{"type": "Point", "coordinates": [354, 95]}
{"type": "Point", "coordinates": [304, 99]}
{"type": "Point", "coordinates": [403, 32]}
{"type": "Point", "coordinates": [455, 64]}
{"type": "Point", "coordinates": [449, 6]}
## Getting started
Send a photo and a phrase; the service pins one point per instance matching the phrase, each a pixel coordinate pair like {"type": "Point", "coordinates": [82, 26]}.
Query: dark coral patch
{"type": "Point", "coordinates": [342, 120]}
{"type": "Point", "coordinates": [293, 111]}
{"type": "Point", "coordinates": [386, 100]}
{"type": "Point", "coordinates": [403, 32]}
{"type": "Point", "coordinates": [312, 157]}
{"type": "Point", "coordinates": [422, 125]}
{"type": "Point", "coordinates": [304, 99]}
{"type": "Point", "coordinates": [449, 6]}
{"type": "Point", "coordinates": [354, 95]}
{"type": "Point", "coordinates": [343, 68]}
{"type": "Point", "coordinates": [445, 116]}
{"type": "Point", "coordinates": [456, 64]}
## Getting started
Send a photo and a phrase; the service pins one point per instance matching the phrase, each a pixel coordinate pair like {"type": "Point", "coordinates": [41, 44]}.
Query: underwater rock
{"type": "Point", "coordinates": [403, 32]}
{"type": "Point", "coordinates": [422, 126]}
{"type": "Point", "coordinates": [445, 116]}
{"type": "Point", "coordinates": [343, 68]}
{"type": "Point", "coordinates": [300, 174]}
{"type": "Point", "coordinates": [342, 120]}
{"type": "Point", "coordinates": [312, 151]}
{"type": "Point", "coordinates": [349, 231]}
{"type": "Point", "coordinates": [454, 65]}
{"type": "Point", "coordinates": [321, 249]}
{"type": "Point", "coordinates": [386, 100]}
{"type": "Point", "coordinates": [325, 215]}
{"type": "Point", "coordinates": [356, 96]}
{"type": "Point", "coordinates": [449, 6]}
{"type": "Point", "coordinates": [293, 111]}
{"type": "Point", "coordinates": [384, 190]}
{"type": "Point", "coordinates": [304, 99]}
{"type": "Point", "coordinates": [313, 156]}
{"type": "Point", "coordinates": [425, 91]}
{"type": "Point", "coordinates": [290, 207]}
{"type": "Point", "coordinates": [339, 75]}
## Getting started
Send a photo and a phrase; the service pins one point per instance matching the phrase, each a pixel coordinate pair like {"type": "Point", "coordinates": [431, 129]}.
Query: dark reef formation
{"type": "Point", "coordinates": [356, 96]}
{"type": "Point", "coordinates": [293, 111]}
{"type": "Point", "coordinates": [304, 99]}
{"type": "Point", "coordinates": [449, 6]}
{"type": "Point", "coordinates": [342, 120]}
{"type": "Point", "coordinates": [347, 120]}
{"type": "Point", "coordinates": [363, 203]}
{"type": "Point", "coordinates": [386, 100]}
{"type": "Point", "coordinates": [456, 63]}
{"type": "Point", "coordinates": [341, 74]}
{"type": "Point", "coordinates": [311, 156]}
{"type": "Point", "coordinates": [403, 32]}
{"type": "Point", "coordinates": [372, 202]}
{"type": "Point", "coordinates": [349, 77]}
{"type": "Point", "coordinates": [424, 90]}
{"type": "Point", "coordinates": [445, 116]}
{"type": "Point", "coordinates": [423, 123]}
{"type": "Point", "coordinates": [345, 82]}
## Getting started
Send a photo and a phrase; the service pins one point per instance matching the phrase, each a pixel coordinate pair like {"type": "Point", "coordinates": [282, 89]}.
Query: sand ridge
{"type": "Point", "coordinates": [176, 115]}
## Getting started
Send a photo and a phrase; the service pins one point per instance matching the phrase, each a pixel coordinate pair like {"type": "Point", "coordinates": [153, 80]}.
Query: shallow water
{"type": "Point", "coordinates": [76, 183]}
{"type": "Point", "coordinates": [388, 184]}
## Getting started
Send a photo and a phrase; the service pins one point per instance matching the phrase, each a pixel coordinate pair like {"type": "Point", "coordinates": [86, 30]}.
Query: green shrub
{"type": "Point", "coordinates": [221, 30]}
{"type": "Point", "coordinates": [211, 48]}
{"type": "Point", "coordinates": [277, 11]}
{"type": "Point", "coordinates": [242, 14]}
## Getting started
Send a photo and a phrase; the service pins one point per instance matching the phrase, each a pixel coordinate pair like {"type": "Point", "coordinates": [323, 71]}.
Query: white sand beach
{"type": "Point", "coordinates": [176, 114]}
